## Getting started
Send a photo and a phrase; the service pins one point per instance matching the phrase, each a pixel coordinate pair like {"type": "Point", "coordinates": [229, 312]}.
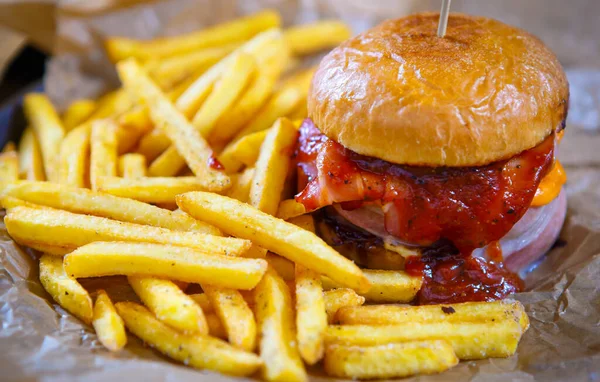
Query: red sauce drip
{"type": "Point", "coordinates": [214, 163]}
{"type": "Point", "coordinates": [452, 278]}
{"type": "Point", "coordinates": [493, 252]}
{"type": "Point", "coordinates": [470, 206]}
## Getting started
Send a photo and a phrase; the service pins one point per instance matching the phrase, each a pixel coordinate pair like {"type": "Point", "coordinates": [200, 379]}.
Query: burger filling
{"type": "Point", "coordinates": [449, 213]}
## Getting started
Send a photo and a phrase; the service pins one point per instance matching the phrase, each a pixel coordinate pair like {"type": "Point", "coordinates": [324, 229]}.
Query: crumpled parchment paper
{"type": "Point", "coordinates": [40, 341]}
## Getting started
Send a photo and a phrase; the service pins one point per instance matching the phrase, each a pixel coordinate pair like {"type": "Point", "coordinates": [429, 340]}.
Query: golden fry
{"type": "Point", "coordinates": [311, 318]}
{"type": "Point", "coordinates": [132, 166]}
{"type": "Point", "coordinates": [203, 301]}
{"type": "Point", "coordinates": [275, 318]}
{"type": "Point", "coordinates": [9, 167]}
{"type": "Point", "coordinates": [151, 190]}
{"type": "Point", "coordinates": [312, 38]}
{"type": "Point", "coordinates": [77, 113]}
{"type": "Point", "coordinates": [240, 189]}
{"type": "Point", "coordinates": [284, 267]}
{"type": "Point", "coordinates": [164, 261]}
{"type": "Point", "coordinates": [296, 244]}
{"type": "Point", "coordinates": [65, 290]}
{"type": "Point", "coordinates": [74, 157]}
{"type": "Point", "coordinates": [103, 152]}
{"type": "Point", "coordinates": [234, 314]}
{"type": "Point", "coordinates": [215, 326]}
{"type": "Point", "coordinates": [168, 164]}
{"type": "Point", "coordinates": [109, 327]}
{"type": "Point", "coordinates": [169, 304]}
{"type": "Point", "coordinates": [201, 352]}
{"type": "Point", "coordinates": [133, 124]}
{"type": "Point", "coordinates": [339, 298]}
{"type": "Point", "coordinates": [243, 152]}
{"type": "Point", "coordinates": [389, 361]}
{"type": "Point", "coordinates": [153, 144]}
{"type": "Point", "coordinates": [48, 129]}
{"type": "Point", "coordinates": [31, 166]}
{"type": "Point", "coordinates": [272, 167]}
{"type": "Point", "coordinates": [65, 231]}
{"type": "Point", "coordinates": [289, 209]}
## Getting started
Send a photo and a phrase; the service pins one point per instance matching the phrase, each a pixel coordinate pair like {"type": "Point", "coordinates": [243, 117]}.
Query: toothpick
{"type": "Point", "coordinates": [443, 21]}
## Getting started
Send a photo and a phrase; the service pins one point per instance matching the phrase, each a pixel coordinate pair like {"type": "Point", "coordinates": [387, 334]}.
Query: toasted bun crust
{"type": "Point", "coordinates": [484, 92]}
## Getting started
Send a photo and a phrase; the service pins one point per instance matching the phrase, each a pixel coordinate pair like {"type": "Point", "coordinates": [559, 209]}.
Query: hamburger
{"type": "Point", "coordinates": [437, 155]}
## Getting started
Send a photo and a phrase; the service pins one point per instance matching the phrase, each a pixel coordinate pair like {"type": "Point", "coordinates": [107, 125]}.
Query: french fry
{"type": "Point", "coordinates": [174, 94]}
{"type": "Point", "coordinates": [48, 129]}
{"type": "Point", "coordinates": [470, 340]}
{"type": "Point", "coordinates": [203, 301]}
{"type": "Point", "coordinates": [168, 164]}
{"type": "Point", "coordinates": [235, 315]}
{"type": "Point", "coordinates": [186, 139]}
{"type": "Point", "coordinates": [463, 312]}
{"type": "Point", "coordinates": [222, 34]}
{"type": "Point", "coordinates": [201, 352]}
{"type": "Point", "coordinates": [77, 113]}
{"type": "Point", "coordinates": [133, 124]}
{"type": "Point", "coordinates": [336, 299]}
{"type": "Point", "coordinates": [9, 167]}
{"type": "Point", "coordinates": [191, 99]}
{"type": "Point", "coordinates": [300, 246]}
{"type": "Point", "coordinates": [270, 67]}
{"type": "Point", "coordinates": [153, 144]}
{"type": "Point", "coordinates": [275, 319]}
{"type": "Point", "coordinates": [386, 286]}
{"type": "Point", "coordinates": [164, 261]}
{"type": "Point", "coordinates": [289, 209]}
{"type": "Point", "coordinates": [111, 105]}
{"type": "Point", "coordinates": [312, 38]}
{"type": "Point", "coordinates": [240, 189]}
{"type": "Point", "coordinates": [389, 361]}
{"type": "Point", "coordinates": [65, 231]}
{"type": "Point", "coordinates": [311, 318]}
{"type": "Point", "coordinates": [103, 152]}
{"type": "Point", "coordinates": [151, 190]}
{"type": "Point", "coordinates": [243, 152]}
{"type": "Point", "coordinates": [65, 290]}
{"type": "Point", "coordinates": [169, 304]}
{"type": "Point", "coordinates": [272, 167]}
{"type": "Point", "coordinates": [132, 166]}
{"type": "Point", "coordinates": [284, 101]}
{"type": "Point", "coordinates": [88, 202]}
{"type": "Point", "coordinates": [31, 166]}
{"type": "Point", "coordinates": [284, 267]}
{"type": "Point", "coordinates": [109, 327]}
{"type": "Point", "coordinates": [9, 202]}
{"type": "Point", "coordinates": [74, 157]}
{"type": "Point", "coordinates": [171, 71]}
{"type": "Point", "coordinates": [215, 327]}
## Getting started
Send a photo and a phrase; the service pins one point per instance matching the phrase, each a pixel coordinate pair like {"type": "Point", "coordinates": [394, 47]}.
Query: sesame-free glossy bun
{"type": "Point", "coordinates": [484, 92]}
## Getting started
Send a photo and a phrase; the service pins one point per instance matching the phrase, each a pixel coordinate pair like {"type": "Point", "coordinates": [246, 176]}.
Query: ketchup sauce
{"type": "Point", "coordinates": [214, 163]}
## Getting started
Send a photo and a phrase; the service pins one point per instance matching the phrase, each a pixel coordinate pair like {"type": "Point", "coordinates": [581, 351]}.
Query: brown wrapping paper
{"type": "Point", "coordinates": [40, 341]}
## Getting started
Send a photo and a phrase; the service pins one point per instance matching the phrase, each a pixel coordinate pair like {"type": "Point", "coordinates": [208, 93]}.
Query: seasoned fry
{"type": "Point", "coordinates": [65, 231]}
{"type": "Point", "coordinates": [103, 152]}
{"type": "Point", "coordinates": [202, 300]}
{"type": "Point", "coordinates": [202, 352]}
{"type": "Point", "coordinates": [169, 304]}
{"type": "Point", "coordinates": [74, 157]}
{"type": "Point", "coordinates": [275, 318]}
{"type": "Point", "coordinates": [284, 101]}
{"type": "Point", "coordinates": [284, 267]}
{"type": "Point", "coordinates": [65, 290]}
{"type": "Point", "coordinates": [133, 124]}
{"type": "Point", "coordinates": [9, 167]}
{"type": "Point", "coordinates": [9, 202]}
{"type": "Point", "coordinates": [311, 38]}
{"type": "Point", "coordinates": [240, 189]}
{"type": "Point", "coordinates": [463, 312]}
{"type": "Point", "coordinates": [470, 340]}
{"type": "Point", "coordinates": [301, 246]}
{"type": "Point", "coordinates": [289, 209]}
{"type": "Point", "coordinates": [132, 166]}
{"type": "Point", "coordinates": [31, 166]}
{"type": "Point", "coordinates": [153, 144]}
{"type": "Point", "coordinates": [190, 101]}
{"type": "Point", "coordinates": [111, 105]}
{"type": "Point", "coordinates": [187, 140]}
{"type": "Point", "coordinates": [151, 190]}
{"type": "Point", "coordinates": [88, 202]}
{"type": "Point", "coordinates": [339, 298]}
{"type": "Point", "coordinates": [109, 327]}
{"type": "Point", "coordinates": [164, 261]}
{"type": "Point", "coordinates": [272, 167]}
{"type": "Point", "coordinates": [215, 327]}
{"type": "Point", "coordinates": [48, 129]}
{"type": "Point", "coordinates": [77, 113]}
{"type": "Point", "coordinates": [311, 318]}
{"type": "Point", "coordinates": [171, 71]}
{"type": "Point", "coordinates": [389, 361]}
{"type": "Point", "coordinates": [386, 286]}
{"type": "Point", "coordinates": [222, 34]}
{"type": "Point", "coordinates": [243, 152]}
{"type": "Point", "coordinates": [168, 164]}
{"type": "Point", "coordinates": [235, 315]}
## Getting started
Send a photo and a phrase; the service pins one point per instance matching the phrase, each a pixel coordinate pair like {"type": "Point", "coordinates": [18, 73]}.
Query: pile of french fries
{"type": "Point", "coordinates": [182, 181]}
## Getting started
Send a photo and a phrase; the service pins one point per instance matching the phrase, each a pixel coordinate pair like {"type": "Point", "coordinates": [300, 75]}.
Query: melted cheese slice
{"type": "Point", "coordinates": [550, 186]}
